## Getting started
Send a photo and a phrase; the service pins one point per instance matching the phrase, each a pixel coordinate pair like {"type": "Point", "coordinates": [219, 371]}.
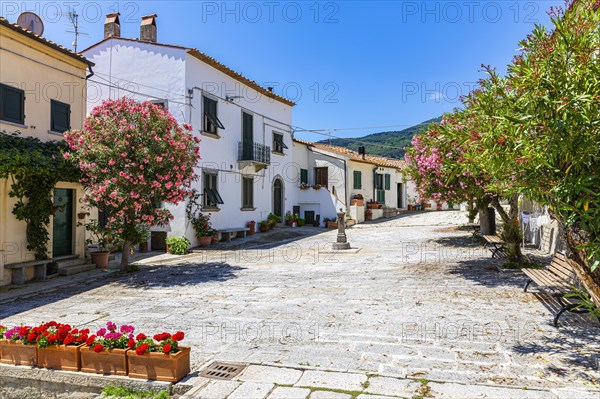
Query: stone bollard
{"type": "Point", "coordinates": [342, 241]}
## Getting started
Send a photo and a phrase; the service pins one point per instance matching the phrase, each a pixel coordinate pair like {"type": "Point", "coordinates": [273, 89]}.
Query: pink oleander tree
{"type": "Point", "coordinates": [133, 156]}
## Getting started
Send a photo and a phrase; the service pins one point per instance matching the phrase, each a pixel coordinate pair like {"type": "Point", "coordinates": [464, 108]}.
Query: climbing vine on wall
{"type": "Point", "coordinates": [34, 167]}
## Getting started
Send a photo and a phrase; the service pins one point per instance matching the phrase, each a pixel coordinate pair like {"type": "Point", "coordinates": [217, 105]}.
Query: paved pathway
{"type": "Point", "coordinates": [419, 300]}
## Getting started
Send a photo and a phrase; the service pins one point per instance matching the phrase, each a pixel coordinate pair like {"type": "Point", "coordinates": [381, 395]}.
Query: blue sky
{"type": "Point", "coordinates": [347, 64]}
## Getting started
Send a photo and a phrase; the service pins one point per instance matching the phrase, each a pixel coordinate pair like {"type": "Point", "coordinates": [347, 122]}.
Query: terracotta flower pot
{"type": "Point", "coordinates": [252, 227]}
{"type": "Point", "coordinates": [332, 225]}
{"type": "Point", "coordinates": [14, 352]}
{"type": "Point", "coordinates": [109, 361]}
{"type": "Point", "coordinates": [158, 366]}
{"type": "Point", "coordinates": [263, 229]}
{"type": "Point", "coordinates": [60, 357]}
{"type": "Point", "coordinates": [204, 241]}
{"type": "Point", "coordinates": [100, 259]}
{"type": "Point", "coordinates": [357, 202]}
{"type": "Point", "coordinates": [143, 247]}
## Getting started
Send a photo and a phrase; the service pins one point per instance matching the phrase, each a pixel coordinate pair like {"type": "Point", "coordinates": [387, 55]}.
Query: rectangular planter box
{"type": "Point", "coordinates": [111, 361]}
{"type": "Point", "coordinates": [332, 225]}
{"type": "Point", "coordinates": [60, 357]}
{"type": "Point", "coordinates": [357, 202]}
{"type": "Point", "coordinates": [158, 366]}
{"type": "Point", "coordinates": [14, 352]}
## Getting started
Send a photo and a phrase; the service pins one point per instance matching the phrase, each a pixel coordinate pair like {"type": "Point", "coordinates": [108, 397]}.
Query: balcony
{"type": "Point", "coordinates": [254, 154]}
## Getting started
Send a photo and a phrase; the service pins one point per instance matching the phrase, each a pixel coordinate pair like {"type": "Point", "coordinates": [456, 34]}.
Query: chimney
{"type": "Point", "coordinates": [361, 152]}
{"type": "Point", "coordinates": [148, 28]}
{"type": "Point", "coordinates": [112, 25]}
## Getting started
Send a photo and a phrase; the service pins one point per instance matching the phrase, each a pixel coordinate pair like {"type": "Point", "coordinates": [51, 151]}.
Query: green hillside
{"type": "Point", "coordinates": [382, 143]}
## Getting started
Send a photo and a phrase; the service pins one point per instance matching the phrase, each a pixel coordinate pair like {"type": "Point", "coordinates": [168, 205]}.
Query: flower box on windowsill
{"type": "Point", "coordinates": [15, 352]}
{"type": "Point", "coordinates": [60, 357]}
{"type": "Point", "coordinates": [108, 361]}
{"type": "Point", "coordinates": [158, 366]}
{"type": "Point", "coordinates": [211, 135]}
{"type": "Point", "coordinates": [316, 187]}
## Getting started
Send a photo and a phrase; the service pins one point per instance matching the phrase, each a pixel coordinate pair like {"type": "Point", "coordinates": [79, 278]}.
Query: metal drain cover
{"type": "Point", "coordinates": [222, 370]}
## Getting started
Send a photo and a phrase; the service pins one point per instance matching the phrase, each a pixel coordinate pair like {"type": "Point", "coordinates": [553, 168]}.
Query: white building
{"type": "Point", "coordinates": [245, 129]}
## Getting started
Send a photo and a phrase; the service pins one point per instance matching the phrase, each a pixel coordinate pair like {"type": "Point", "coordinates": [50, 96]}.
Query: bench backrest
{"type": "Point", "coordinates": [561, 268]}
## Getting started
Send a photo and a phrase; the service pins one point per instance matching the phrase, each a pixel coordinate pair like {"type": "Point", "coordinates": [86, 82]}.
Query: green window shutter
{"type": "Point", "coordinates": [357, 179]}
{"type": "Point", "coordinates": [304, 176]}
{"type": "Point", "coordinates": [381, 196]}
{"type": "Point", "coordinates": [387, 181]}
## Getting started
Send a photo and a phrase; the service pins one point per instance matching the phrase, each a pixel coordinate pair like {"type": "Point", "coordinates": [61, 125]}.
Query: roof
{"type": "Point", "coordinates": [41, 39]}
{"type": "Point", "coordinates": [210, 61]}
{"type": "Point", "coordinates": [355, 156]}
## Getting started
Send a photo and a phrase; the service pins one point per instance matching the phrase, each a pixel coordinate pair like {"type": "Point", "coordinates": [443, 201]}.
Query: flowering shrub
{"type": "Point", "coordinates": [163, 343]}
{"type": "Point", "coordinates": [133, 156]}
{"type": "Point", "coordinates": [111, 337]}
{"type": "Point", "coordinates": [202, 226]}
{"type": "Point", "coordinates": [178, 245]}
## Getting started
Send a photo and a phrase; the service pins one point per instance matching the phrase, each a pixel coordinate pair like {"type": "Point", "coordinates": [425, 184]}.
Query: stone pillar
{"type": "Point", "coordinates": [342, 241]}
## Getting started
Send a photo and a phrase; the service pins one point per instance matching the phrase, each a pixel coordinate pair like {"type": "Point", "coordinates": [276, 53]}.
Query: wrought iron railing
{"type": "Point", "coordinates": [251, 151]}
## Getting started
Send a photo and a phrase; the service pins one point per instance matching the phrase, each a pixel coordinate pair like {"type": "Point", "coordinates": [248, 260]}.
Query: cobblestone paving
{"type": "Point", "coordinates": [420, 300]}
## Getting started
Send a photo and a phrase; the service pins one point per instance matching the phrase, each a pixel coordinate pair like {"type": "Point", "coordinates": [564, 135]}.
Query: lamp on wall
{"type": "Point", "coordinates": [231, 98]}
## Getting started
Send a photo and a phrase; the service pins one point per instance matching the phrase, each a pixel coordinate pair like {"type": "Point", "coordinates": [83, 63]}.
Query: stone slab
{"type": "Point", "coordinates": [216, 390]}
{"type": "Point", "coordinates": [276, 375]}
{"type": "Point", "coordinates": [392, 386]}
{"type": "Point", "coordinates": [329, 395]}
{"type": "Point", "coordinates": [332, 380]}
{"type": "Point", "coordinates": [459, 391]}
{"type": "Point", "coordinates": [252, 389]}
{"type": "Point", "coordinates": [289, 393]}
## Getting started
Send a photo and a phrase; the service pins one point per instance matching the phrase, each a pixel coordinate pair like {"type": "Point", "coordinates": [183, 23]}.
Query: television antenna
{"type": "Point", "coordinates": [74, 19]}
{"type": "Point", "coordinates": [32, 22]}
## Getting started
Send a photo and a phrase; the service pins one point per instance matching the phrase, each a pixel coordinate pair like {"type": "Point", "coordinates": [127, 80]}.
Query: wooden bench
{"type": "Point", "coordinates": [475, 229]}
{"type": "Point", "coordinates": [498, 246]}
{"type": "Point", "coordinates": [18, 270]}
{"type": "Point", "coordinates": [226, 233]}
{"type": "Point", "coordinates": [556, 280]}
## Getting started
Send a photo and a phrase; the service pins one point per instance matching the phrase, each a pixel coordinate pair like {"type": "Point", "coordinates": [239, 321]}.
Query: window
{"type": "Point", "coordinates": [378, 181]}
{"type": "Point", "coordinates": [211, 120]}
{"type": "Point", "coordinates": [60, 116]}
{"type": "Point", "coordinates": [303, 176]}
{"type": "Point", "coordinates": [247, 193]}
{"type": "Point", "coordinates": [321, 176]}
{"type": "Point", "coordinates": [160, 103]}
{"type": "Point", "coordinates": [278, 144]}
{"type": "Point", "coordinates": [387, 181]}
{"type": "Point", "coordinates": [357, 179]}
{"type": "Point", "coordinates": [211, 194]}
{"type": "Point", "coordinates": [12, 104]}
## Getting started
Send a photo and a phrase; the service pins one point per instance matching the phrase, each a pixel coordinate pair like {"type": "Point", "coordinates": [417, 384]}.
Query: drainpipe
{"type": "Point", "coordinates": [375, 183]}
{"type": "Point", "coordinates": [346, 187]}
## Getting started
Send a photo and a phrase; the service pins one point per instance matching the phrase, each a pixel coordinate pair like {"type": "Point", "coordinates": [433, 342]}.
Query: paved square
{"type": "Point", "coordinates": [419, 300]}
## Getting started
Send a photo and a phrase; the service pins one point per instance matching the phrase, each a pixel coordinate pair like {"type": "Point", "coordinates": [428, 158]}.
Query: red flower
{"type": "Point", "coordinates": [178, 336]}
{"type": "Point", "coordinates": [98, 348]}
{"type": "Point", "coordinates": [90, 340]}
{"type": "Point", "coordinates": [140, 337]}
{"type": "Point", "coordinates": [130, 343]}
{"type": "Point", "coordinates": [141, 349]}
{"type": "Point", "coordinates": [31, 337]}
{"type": "Point", "coordinates": [166, 348]}
{"type": "Point", "coordinates": [69, 339]}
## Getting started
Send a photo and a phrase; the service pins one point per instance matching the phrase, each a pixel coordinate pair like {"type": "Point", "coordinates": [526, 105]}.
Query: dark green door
{"type": "Point", "coordinates": [62, 228]}
{"type": "Point", "coordinates": [278, 198]}
{"type": "Point", "coordinates": [247, 137]}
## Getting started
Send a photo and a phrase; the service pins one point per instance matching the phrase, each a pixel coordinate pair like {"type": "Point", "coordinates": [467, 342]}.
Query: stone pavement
{"type": "Point", "coordinates": [420, 300]}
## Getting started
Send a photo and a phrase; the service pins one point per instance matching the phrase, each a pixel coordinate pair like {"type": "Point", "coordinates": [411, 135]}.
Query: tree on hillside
{"type": "Point", "coordinates": [133, 156]}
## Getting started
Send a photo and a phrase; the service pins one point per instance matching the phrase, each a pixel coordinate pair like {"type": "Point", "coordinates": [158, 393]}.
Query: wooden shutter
{"type": "Point", "coordinates": [60, 116]}
{"type": "Point", "coordinates": [12, 104]}
{"type": "Point", "coordinates": [357, 179]}
{"type": "Point", "coordinates": [387, 181]}
{"type": "Point", "coordinates": [304, 176]}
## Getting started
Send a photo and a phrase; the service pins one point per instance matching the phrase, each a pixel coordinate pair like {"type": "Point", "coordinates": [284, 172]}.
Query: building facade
{"type": "Point", "coordinates": [43, 89]}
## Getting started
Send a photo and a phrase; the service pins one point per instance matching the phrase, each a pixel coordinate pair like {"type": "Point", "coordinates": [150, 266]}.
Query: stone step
{"type": "Point", "coordinates": [83, 265]}
{"type": "Point", "coordinates": [72, 260]}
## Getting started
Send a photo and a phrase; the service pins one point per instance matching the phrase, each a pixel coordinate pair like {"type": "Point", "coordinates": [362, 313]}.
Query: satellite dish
{"type": "Point", "coordinates": [31, 22]}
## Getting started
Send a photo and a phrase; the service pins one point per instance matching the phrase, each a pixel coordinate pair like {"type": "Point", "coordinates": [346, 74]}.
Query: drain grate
{"type": "Point", "coordinates": [222, 370]}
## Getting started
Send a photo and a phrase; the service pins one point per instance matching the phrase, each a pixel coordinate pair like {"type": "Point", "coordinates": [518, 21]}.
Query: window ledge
{"type": "Point", "coordinates": [14, 124]}
{"type": "Point", "coordinates": [211, 135]}
{"type": "Point", "coordinates": [247, 209]}
{"type": "Point", "coordinates": [56, 133]}
{"type": "Point", "coordinates": [278, 152]}
{"type": "Point", "coordinates": [208, 209]}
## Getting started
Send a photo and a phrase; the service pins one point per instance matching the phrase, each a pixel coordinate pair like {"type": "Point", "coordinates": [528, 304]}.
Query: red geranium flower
{"type": "Point", "coordinates": [90, 340]}
{"type": "Point", "coordinates": [166, 348]}
{"type": "Point", "coordinates": [31, 337]}
{"type": "Point", "coordinates": [98, 348]}
{"type": "Point", "coordinates": [178, 336]}
{"type": "Point", "coordinates": [141, 349]}
{"type": "Point", "coordinates": [69, 340]}
{"type": "Point", "coordinates": [130, 343]}
{"type": "Point", "coordinates": [140, 337]}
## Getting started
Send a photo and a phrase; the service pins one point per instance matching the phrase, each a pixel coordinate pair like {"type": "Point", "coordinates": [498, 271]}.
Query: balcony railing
{"type": "Point", "coordinates": [249, 151]}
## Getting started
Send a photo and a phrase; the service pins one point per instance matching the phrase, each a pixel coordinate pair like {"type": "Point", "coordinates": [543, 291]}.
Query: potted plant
{"type": "Point", "coordinates": [330, 223]}
{"type": "Point", "coordinates": [368, 214]}
{"type": "Point", "coordinates": [273, 220]}
{"type": "Point", "coordinates": [106, 351]}
{"type": "Point", "coordinates": [159, 358]}
{"type": "Point", "coordinates": [103, 239]}
{"type": "Point", "coordinates": [143, 233]}
{"type": "Point", "coordinates": [358, 200]}
{"type": "Point", "coordinates": [59, 345]}
{"type": "Point", "coordinates": [252, 226]}
{"type": "Point", "coordinates": [15, 346]}
{"type": "Point", "coordinates": [264, 226]}
{"type": "Point", "coordinates": [203, 229]}
{"type": "Point", "coordinates": [289, 218]}
{"type": "Point", "coordinates": [301, 222]}
{"type": "Point", "coordinates": [304, 186]}
{"type": "Point", "coordinates": [316, 186]}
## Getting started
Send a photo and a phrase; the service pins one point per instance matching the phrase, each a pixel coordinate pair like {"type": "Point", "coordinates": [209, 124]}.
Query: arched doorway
{"type": "Point", "coordinates": [278, 197]}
